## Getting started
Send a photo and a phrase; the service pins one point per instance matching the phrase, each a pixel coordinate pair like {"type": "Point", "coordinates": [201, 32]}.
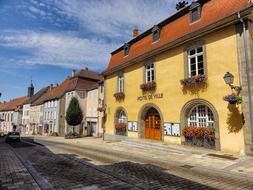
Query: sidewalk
{"type": "Point", "coordinates": [13, 175]}
{"type": "Point", "coordinates": [178, 155]}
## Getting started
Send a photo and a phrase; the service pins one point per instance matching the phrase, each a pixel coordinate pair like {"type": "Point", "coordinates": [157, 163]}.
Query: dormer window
{"type": "Point", "coordinates": [195, 12]}
{"type": "Point", "coordinates": [156, 33]}
{"type": "Point", "coordinates": [126, 49]}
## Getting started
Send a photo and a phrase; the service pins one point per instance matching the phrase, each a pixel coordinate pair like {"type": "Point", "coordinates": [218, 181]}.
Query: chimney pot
{"type": "Point", "coordinates": [135, 32]}
{"type": "Point", "coordinates": [73, 72]}
{"type": "Point", "coordinates": [51, 86]}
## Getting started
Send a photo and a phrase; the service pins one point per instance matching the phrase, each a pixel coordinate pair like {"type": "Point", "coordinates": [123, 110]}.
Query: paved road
{"type": "Point", "coordinates": [13, 174]}
{"type": "Point", "coordinates": [77, 166]}
{"type": "Point", "coordinates": [65, 171]}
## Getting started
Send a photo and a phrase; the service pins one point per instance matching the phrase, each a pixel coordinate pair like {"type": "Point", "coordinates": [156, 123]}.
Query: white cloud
{"type": "Point", "coordinates": [106, 23]}
{"type": "Point", "coordinates": [116, 18]}
{"type": "Point", "coordinates": [60, 49]}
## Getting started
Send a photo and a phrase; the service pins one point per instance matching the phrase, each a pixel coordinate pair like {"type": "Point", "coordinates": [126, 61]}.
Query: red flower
{"type": "Point", "coordinates": [119, 96]}
{"type": "Point", "coordinates": [148, 86]}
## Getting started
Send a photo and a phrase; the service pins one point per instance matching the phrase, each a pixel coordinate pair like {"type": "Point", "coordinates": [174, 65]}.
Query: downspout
{"type": "Point", "coordinates": [245, 46]}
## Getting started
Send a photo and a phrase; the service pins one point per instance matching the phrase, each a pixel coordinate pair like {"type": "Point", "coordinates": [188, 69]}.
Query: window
{"type": "Point", "coordinates": [156, 33]}
{"type": "Point", "coordinates": [195, 12]}
{"type": "Point", "coordinates": [150, 73]}
{"type": "Point", "coordinates": [201, 116]}
{"type": "Point", "coordinates": [121, 83]}
{"type": "Point", "coordinates": [81, 94]}
{"type": "Point", "coordinates": [126, 49]}
{"type": "Point", "coordinates": [122, 118]}
{"type": "Point", "coordinates": [196, 61]}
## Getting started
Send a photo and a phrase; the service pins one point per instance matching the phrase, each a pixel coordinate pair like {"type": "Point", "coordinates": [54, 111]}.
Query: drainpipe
{"type": "Point", "coordinates": [245, 46]}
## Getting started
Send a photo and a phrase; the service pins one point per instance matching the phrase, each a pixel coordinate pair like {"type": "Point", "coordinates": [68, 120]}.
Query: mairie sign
{"type": "Point", "coordinates": [150, 97]}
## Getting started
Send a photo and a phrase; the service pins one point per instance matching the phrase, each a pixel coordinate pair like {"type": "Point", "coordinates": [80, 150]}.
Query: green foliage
{"type": "Point", "coordinates": [72, 134]}
{"type": "Point", "coordinates": [74, 115]}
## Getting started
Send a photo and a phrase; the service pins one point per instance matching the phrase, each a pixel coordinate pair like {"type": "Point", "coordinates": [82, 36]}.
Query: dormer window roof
{"type": "Point", "coordinates": [156, 33]}
{"type": "Point", "coordinates": [126, 49]}
{"type": "Point", "coordinates": [195, 11]}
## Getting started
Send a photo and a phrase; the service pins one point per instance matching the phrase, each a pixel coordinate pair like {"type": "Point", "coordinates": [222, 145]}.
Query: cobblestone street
{"type": "Point", "coordinates": [68, 172]}
{"type": "Point", "coordinates": [77, 166]}
{"type": "Point", "coordinates": [13, 175]}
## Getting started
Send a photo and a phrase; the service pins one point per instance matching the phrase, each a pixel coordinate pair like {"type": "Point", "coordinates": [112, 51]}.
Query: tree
{"type": "Point", "coordinates": [74, 115]}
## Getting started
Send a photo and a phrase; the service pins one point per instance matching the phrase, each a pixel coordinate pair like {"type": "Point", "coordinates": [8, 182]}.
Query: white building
{"type": "Point", "coordinates": [10, 115]}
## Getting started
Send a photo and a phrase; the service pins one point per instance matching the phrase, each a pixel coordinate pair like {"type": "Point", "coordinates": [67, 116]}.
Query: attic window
{"type": "Point", "coordinates": [156, 33]}
{"type": "Point", "coordinates": [195, 12]}
{"type": "Point", "coordinates": [126, 49]}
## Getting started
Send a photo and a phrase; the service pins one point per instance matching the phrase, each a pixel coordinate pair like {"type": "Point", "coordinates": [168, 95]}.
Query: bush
{"type": "Point", "coordinates": [71, 135]}
{"type": "Point", "coordinates": [74, 115]}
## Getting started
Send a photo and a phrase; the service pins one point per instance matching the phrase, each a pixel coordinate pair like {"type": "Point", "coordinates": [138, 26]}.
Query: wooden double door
{"type": "Point", "coordinates": [153, 128]}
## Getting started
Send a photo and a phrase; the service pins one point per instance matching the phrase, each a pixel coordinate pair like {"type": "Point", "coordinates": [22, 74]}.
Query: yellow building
{"type": "Point", "coordinates": [167, 83]}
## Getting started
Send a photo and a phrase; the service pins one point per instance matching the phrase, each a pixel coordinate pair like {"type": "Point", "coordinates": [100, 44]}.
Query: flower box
{"type": "Point", "coordinates": [233, 99]}
{"type": "Point", "coordinates": [120, 129]}
{"type": "Point", "coordinates": [149, 86]}
{"type": "Point", "coordinates": [200, 136]}
{"type": "Point", "coordinates": [193, 81]}
{"type": "Point", "coordinates": [121, 126]}
{"type": "Point", "coordinates": [119, 96]}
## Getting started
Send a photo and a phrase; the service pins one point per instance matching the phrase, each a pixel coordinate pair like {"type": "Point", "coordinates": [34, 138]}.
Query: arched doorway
{"type": "Point", "coordinates": [153, 126]}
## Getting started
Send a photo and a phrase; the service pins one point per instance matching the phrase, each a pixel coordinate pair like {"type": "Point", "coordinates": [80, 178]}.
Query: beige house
{"type": "Point", "coordinates": [85, 87]}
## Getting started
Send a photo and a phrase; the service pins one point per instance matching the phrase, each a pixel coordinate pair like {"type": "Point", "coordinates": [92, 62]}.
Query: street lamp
{"type": "Point", "coordinates": [229, 80]}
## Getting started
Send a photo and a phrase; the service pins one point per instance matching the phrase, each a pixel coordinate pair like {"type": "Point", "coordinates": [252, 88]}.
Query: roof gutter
{"type": "Point", "coordinates": [232, 19]}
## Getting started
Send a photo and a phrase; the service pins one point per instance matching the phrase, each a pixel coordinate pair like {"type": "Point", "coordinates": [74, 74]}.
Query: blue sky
{"type": "Point", "coordinates": [44, 40]}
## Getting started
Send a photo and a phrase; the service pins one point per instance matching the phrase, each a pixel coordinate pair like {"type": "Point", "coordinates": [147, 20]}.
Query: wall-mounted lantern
{"type": "Point", "coordinates": [229, 79]}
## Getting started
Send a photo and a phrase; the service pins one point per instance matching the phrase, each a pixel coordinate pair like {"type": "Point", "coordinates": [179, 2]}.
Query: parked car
{"type": "Point", "coordinates": [2, 134]}
{"type": "Point", "coordinates": [13, 137]}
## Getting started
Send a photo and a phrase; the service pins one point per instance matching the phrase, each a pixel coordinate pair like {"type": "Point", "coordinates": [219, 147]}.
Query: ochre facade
{"type": "Point", "coordinates": [171, 99]}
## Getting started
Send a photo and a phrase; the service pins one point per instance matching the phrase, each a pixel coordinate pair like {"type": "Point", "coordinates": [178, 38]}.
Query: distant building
{"type": "Point", "coordinates": [85, 87]}
{"type": "Point", "coordinates": [56, 101]}
{"type": "Point", "coordinates": [30, 113]}
{"type": "Point", "coordinates": [11, 115]}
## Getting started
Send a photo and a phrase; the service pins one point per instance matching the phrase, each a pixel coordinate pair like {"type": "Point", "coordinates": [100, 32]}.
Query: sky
{"type": "Point", "coordinates": [44, 40]}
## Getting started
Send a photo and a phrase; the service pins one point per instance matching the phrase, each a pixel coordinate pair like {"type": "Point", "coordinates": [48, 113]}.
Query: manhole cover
{"type": "Point", "coordinates": [187, 166]}
{"type": "Point", "coordinates": [229, 157]}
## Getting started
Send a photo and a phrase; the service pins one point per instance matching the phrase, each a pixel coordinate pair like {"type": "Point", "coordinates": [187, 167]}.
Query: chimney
{"type": "Point", "coordinates": [135, 32]}
{"type": "Point", "coordinates": [51, 86]}
{"type": "Point", "coordinates": [73, 72]}
{"type": "Point", "coordinates": [181, 5]}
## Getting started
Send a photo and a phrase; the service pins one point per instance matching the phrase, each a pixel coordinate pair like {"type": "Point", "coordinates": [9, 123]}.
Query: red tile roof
{"type": "Point", "coordinates": [84, 73]}
{"type": "Point", "coordinates": [13, 104]}
{"type": "Point", "coordinates": [83, 80]}
{"type": "Point", "coordinates": [176, 27]}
